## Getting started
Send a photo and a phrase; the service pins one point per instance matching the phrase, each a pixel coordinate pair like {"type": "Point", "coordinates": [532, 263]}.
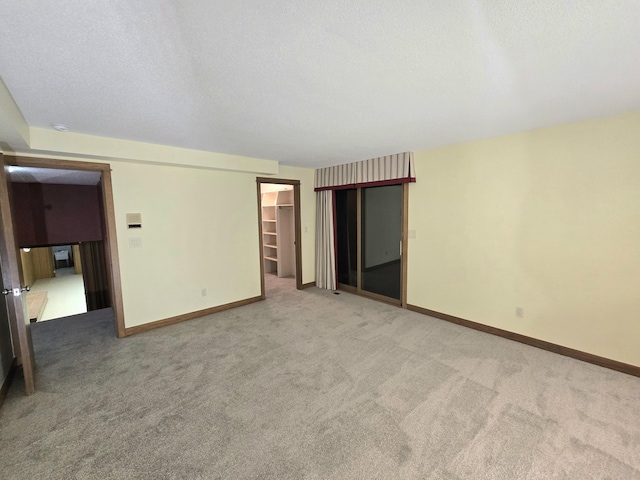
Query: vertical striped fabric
{"type": "Point", "coordinates": [391, 167]}
{"type": "Point", "coordinates": [325, 241]}
{"type": "Point", "coordinates": [335, 176]}
{"type": "Point", "coordinates": [382, 169]}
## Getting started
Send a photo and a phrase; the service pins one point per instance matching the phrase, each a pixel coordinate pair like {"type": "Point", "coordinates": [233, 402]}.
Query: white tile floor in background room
{"type": "Point", "coordinates": [65, 295]}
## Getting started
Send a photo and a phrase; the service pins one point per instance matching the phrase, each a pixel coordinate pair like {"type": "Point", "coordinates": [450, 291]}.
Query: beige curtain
{"type": "Point", "coordinates": [325, 241]}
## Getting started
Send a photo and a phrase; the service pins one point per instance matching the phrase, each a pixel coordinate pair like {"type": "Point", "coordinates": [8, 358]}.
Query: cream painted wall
{"type": "Point", "coordinates": [200, 231]}
{"type": "Point", "coordinates": [547, 220]}
{"type": "Point", "coordinates": [307, 217]}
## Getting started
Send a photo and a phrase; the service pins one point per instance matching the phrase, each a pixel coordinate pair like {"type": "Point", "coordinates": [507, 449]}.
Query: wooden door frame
{"type": "Point", "coordinates": [111, 243]}
{"type": "Point", "coordinates": [298, 230]}
{"type": "Point", "coordinates": [13, 278]}
{"type": "Point", "coordinates": [402, 302]}
{"type": "Point", "coordinates": [404, 255]}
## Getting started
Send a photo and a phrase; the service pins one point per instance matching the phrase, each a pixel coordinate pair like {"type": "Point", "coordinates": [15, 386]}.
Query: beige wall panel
{"type": "Point", "coordinates": [199, 231]}
{"type": "Point", "coordinates": [547, 220]}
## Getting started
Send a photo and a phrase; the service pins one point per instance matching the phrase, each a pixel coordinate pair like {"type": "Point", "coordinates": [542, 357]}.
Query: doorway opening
{"type": "Point", "coordinates": [279, 231]}
{"type": "Point", "coordinates": [13, 276]}
{"type": "Point", "coordinates": [60, 228]}
{"type": "Point", "coordinates": [65, 229]}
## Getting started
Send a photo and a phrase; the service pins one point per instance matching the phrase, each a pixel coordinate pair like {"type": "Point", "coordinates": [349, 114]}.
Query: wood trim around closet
{"type": "Point", "coordinates": [297, 233]}
{"type": "Point", "coordinates": [260, 241]}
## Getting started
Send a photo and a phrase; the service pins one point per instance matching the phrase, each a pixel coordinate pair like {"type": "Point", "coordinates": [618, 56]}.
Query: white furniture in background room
{"type": "Point", "coordinates": [61, 256]}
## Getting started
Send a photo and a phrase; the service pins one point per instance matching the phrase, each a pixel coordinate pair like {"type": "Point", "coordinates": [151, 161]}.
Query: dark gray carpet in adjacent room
{"type": "Point", "coordinates": [317, 386]}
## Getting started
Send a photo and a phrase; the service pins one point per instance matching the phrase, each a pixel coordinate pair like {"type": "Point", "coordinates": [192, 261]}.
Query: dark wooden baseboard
{"type": "Point", "coordinates": [534, 342]}
{"type": "Point", "coordinates": [7, 382]}
{"type": "Point", "coordinates": [189, 316]}
{"type": "Point", "coordinates": [308, 285]}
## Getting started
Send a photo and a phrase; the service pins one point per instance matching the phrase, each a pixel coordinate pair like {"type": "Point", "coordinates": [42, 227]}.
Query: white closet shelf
{"type": "Point", "coordinates": [278, 223]}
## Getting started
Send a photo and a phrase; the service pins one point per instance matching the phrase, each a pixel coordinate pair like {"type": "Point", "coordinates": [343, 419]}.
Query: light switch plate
{"type": "Point", "coordinates": [134, 220]}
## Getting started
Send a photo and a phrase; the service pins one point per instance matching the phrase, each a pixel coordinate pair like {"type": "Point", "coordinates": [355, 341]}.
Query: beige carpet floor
{"type": "Point", "coordinates": [312, 385]}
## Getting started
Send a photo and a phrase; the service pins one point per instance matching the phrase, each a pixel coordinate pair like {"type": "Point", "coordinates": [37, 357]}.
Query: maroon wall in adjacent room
{"type": "Point", "coordinates": [56, 214]}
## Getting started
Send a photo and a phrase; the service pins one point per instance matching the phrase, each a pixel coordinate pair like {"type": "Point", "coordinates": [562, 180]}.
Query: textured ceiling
{"type": "Point", "coordinates": [318, 82]}
{"type": "Point", "coordinates": [54, 176]}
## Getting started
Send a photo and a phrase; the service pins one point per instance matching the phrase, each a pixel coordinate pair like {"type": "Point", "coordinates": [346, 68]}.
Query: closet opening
{"type": "Point", "coordinates": [279, 231]}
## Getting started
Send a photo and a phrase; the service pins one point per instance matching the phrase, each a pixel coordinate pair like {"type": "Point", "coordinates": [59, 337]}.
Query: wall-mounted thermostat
{"type": "Point", "coordinates": [134, 220]}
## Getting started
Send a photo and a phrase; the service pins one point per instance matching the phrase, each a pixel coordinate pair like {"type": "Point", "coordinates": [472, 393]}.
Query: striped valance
{"type": "Point", "coordinates": [388, 170]}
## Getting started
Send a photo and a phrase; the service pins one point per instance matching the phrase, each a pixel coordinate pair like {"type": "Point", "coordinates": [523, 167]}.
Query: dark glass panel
{"type": "Point", "coordinates": [346, 235]}
{"type": "Point", "coordinates": [381, 239]}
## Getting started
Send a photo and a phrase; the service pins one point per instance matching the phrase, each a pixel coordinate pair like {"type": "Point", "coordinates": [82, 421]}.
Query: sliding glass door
{"type": "Point", "coordinates": [381, 240]}
{"type": "Point", "coordinates": [369, 234]}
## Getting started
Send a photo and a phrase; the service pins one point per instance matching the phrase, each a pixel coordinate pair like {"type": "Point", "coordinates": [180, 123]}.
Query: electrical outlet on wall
{"type": "Point", "coordinates": [519, 312]}
{"type": "Point", "coordinates": [203, 292]}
